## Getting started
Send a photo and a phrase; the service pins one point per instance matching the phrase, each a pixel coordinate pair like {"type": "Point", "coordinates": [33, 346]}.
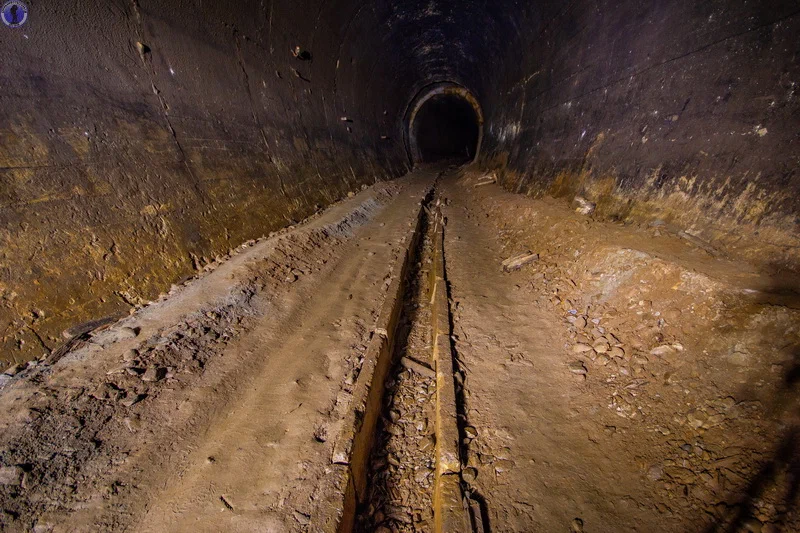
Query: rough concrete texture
{"type": "Point", "coordinates": [683, 111]}
{"type": "Point", "coordinates": [140, 139]}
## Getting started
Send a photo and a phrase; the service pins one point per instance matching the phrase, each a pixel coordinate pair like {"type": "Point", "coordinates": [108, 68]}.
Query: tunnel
{"type": "Point", "coordinates": [445, 124]}
{"type": "Point", "coordinates": [446, 129]}
{"type": "Point", "coordinates": [431, 265]}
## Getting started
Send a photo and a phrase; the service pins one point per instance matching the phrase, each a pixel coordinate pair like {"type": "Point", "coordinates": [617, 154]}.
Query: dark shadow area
{"type": "Point", "coordinates": [446, 128]}
{"type": "Point", "coordinates": [776, 476]}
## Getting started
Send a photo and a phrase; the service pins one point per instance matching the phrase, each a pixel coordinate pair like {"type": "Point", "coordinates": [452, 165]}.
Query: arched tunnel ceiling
{"type": "Point", "coordinates": [391, 50]}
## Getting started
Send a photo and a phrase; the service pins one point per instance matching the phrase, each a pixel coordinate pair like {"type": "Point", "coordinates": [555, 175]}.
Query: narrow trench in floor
{"type": "Point", "coordinates": [403, 459]}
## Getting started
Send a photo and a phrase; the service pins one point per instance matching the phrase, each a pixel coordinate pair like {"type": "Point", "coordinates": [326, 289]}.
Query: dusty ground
{"type": "Point", "coordinates": [211, 409]}
{"type": "Point", "coordinates": [630, 379]}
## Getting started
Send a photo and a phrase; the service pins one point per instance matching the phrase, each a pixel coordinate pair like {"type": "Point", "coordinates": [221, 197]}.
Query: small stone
{"type": "Point", "coordinates": [132, 399]}
{"type": "Point", "coordinates": [518, 261]}
{"type": "Point", "coordinates": [576, 526]}
{"type": "Point", "coordinates": [581, 348]}
{"type": "Point", "coordinates": [583, 206]}
{"type": "Point", "coordinates": [655, 473]}
{"type": "Point", "coordinates": [503, 465]}
{"type": "Point", "coordinates": [616, 352]}
{"type": "Point", "coordinates": [113, 335]}
{"type": "Point", "coordinates": [153, 374]}
{"type": "Point", "coordinates": [469, 474]}
{"type": "Point", "coordinates": [664, 349]}
{"type": "Point", "coordinates": [106, 391]}
{"type": "Point", "coordinates": [302, 518]}
{"type": "Point", "coordinates": [602, 360]}
{"type": "Point", "coordinates": [577, 321]}
{"type": "Point", "coordinates": [577, 367]}
{"type": "Point", "coordinates": [471, 432]}
{"type": "Point", "coordinates": [11, 475]}
{"type": "Point", "coordinates": [13, 370]}
{"type": "Point", "coordinates": [601, 346]}
{"type": "Point", "coordinates": [696, 418]}
{"type": "Point", "coordinates": [504, 453]}
{"type": "Point", "coordinates": [486, 459]}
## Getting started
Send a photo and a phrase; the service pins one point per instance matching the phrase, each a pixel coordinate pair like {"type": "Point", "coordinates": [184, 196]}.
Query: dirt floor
{"type": "Point", "coordinates": [629, 378]}
{"type": "Point", "coordinates": [211, 409]}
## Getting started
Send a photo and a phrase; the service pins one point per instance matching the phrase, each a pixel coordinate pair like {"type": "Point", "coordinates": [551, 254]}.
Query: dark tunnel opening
{"type": "Point", "coordinates": [446, 128]}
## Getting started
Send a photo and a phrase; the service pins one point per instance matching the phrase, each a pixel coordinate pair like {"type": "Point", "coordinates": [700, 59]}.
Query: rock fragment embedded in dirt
{"type": "Point", "coordinates": [583, 206]}
{"type": "Point", "coordinates": [518, 261]}
{"type": "Point", "coordinates": [153, 374]}
{"type": "Point", "coordinates": [106, 391]}
{"type": "Point", "coordinates": [655, 473]}
{"type": "Point", "coordinates": [664, 349]}
{"type": "Point", "coordinates": [581, 348]}
{"type": "Point", "coordinates": [601, 346]}
{"type": "Point", "coordinates": [577, 367]}
{"type": "Point", "coordinates": [13, 370]}
{"type": "Point", "coordinates": [576, 526]}
{"type": "Point", "coordinates": [11, 475]}
{"type": "Point", "coordinates": [302, 518]}
{"type": "Point", "coordinates": [113, 335]}
{"type": "Point", "coordinates": [419, 368]}
{"type": "Point", "coordinates": [616, 352]}
{"type": "Point", "coordinates": [132, 399]}
{"type": "Point", "coordinates": [469, 474]}
{"type": "Point", "coordinates": [577, 321]}
{"type": "Point", "coordinates": [503, 465]}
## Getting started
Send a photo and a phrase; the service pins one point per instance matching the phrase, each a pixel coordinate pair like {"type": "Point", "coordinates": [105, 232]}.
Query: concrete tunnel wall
{"type": "Point", "coordinates": [140, 139]}
{"type": "Point", "coordinates": [683, 111]}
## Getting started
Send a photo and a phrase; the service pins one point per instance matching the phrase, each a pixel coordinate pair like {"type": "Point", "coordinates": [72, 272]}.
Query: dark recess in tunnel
{"type": "Point", "coordinates": [446, 128]}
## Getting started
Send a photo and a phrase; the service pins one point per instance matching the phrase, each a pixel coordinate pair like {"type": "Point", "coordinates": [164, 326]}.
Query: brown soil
{"type": "Point", "coordinates": [630, 379]}
{"type": "Point", "coordinates": [209, 410]}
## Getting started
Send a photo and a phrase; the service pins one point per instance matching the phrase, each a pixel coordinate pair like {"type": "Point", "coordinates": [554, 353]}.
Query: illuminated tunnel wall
{"type": "Point", "coordinates": [140, 139]}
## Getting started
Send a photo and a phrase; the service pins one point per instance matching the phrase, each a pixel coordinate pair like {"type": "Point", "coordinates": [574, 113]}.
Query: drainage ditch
{"type": "Point", "coordinates": [398, 458]}
{"type": "Point", "coordinates": [402, 465]}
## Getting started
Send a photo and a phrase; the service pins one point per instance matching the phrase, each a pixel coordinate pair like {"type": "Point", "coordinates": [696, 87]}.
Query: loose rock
{"type": "Point", "coordinates": [10, 475]}
{"type": "Point", "coordinates": [577, 367]}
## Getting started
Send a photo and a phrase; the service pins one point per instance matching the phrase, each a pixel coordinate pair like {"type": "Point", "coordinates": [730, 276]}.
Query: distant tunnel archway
{"type": "Point", "coordinates": [444, 123]}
